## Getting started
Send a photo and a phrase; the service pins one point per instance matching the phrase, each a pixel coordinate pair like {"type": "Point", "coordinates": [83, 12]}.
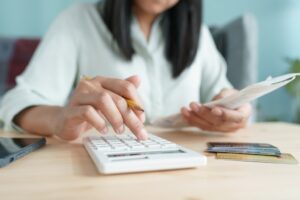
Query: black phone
{"type": "Point", "coordinates": [12, 149]}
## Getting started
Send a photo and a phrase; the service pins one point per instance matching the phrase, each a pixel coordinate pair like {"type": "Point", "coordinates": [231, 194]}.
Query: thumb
{"type": "Point", "coordinates": [225, 93]}
{"type": "Point", "coordinates": [135, 80]}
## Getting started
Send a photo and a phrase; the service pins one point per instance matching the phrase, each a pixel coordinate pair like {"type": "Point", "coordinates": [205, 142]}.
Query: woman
{"type": "Point", "coordinates": [162, 42]}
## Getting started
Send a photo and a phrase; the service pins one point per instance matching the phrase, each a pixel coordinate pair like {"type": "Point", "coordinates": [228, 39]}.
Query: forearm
{"type": "Point", "coordinates": [39, 120]}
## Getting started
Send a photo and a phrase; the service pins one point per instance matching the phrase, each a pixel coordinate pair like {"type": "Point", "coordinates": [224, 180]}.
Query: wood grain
{"type": "Point", "coordinates": [64, 171]}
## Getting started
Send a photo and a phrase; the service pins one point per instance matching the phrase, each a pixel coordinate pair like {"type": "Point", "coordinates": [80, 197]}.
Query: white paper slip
{"type": "Point", "coordinates": [234, 101]}
{"type": "Point", "coordinates": [253, 92]}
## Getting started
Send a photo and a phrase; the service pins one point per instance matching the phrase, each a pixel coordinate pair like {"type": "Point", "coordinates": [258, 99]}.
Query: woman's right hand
{"type": "Point", "coordinates": [99, 99]}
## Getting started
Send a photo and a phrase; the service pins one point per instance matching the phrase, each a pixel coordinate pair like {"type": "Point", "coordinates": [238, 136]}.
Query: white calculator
{"type": "Point", "coordinates": [113, 154]}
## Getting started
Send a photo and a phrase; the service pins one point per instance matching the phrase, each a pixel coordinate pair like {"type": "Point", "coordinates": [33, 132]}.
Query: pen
{"type": "Point", "coordinates": [131, 104]}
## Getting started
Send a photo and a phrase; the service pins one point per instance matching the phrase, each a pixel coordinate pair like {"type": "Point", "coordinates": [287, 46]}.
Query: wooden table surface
{"type": "Point", "coordinates": [65, 171]}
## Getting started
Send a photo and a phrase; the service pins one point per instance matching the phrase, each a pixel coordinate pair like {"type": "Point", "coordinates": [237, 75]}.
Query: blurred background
{"type": "Point", "coordinates": [278, 32]}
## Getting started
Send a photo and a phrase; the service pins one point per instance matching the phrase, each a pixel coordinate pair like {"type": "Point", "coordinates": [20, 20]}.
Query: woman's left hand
{"type": "Point", "coordinates": [218, 119]}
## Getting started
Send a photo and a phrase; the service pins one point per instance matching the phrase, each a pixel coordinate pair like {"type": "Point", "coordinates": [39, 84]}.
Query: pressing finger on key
{"type": "Point", "coordinates": [109, 97]}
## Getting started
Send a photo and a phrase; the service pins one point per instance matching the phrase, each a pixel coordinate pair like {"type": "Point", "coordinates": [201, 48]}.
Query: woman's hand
{"type": "Point", "coordinates": [99, 99]}
{"type": "Point", "coordinates": [218, 118]}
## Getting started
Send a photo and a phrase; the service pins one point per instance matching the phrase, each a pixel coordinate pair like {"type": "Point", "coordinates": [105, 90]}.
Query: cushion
{"type": "Point", "coordinates": [237, 42]}
{"type": "Point", "coordinates": [15, 55]}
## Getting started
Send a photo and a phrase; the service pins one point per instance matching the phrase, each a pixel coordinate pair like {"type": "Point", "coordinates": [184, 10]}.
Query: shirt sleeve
{"type": "Point", "coordinates": [50, 75]}
{"type": "Point", "coordinates": [213, 77]}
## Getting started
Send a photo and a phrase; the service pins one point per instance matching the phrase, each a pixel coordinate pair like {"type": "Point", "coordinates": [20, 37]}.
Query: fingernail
{"type": "Point", "coordinates": [121, 129]}
{"type": "Point", "coordinates": [195, 108]}
{"type": "Point", "coordinates": [104, 130]}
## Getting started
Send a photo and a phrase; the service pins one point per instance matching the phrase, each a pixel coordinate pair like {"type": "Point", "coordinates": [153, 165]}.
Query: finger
{"type": "Point", "coordinates": [141, 115]}
{"type": "Point", "coordinates": [224, 125]}
{"type": "Point", "coordinates": [84, 89]}
{"type": "Point", "coordinates": [123, 88]}
{"type": "Point", "coordinates": [121, 101]}
{"type": "Point", "coordinates": [89, 114]}
{"type": "Point", "coordinates": [103, 102]}
{"type": "Point", "coordinates": [135, 80]}
{"type": "Point", "coordinates": [88, 85]}
{"type": "Point", "coordinates": [229, 115]}
{"type": "Point", "coordinates": [194, 120]}
{"type": "Point", "coordinates": [135, 125]}
{"type": "Point", "coordinates": [128, 116]}
{"type": "Point", "coordinates": [132, 121]}
{"type": "Point", "coordinates": [195, 107]}
{"type": "Point", "coordinates": [111, 112]}
{"type": "Point", "coordinates": [246, 109]}
{"type": "Point", "coordinates": [215, 122]}
{"type": "Point", "coordinates": [205, 114]}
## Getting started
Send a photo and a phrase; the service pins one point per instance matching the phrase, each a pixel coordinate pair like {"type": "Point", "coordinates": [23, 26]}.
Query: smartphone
{"type": "Point", "coordinates": [12, 149]}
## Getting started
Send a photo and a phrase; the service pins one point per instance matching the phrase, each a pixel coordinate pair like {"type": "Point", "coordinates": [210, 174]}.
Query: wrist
{"type": "Point", "coordinates": [55, 124]}
{"type": "Point", "coordinates": [40, 120]}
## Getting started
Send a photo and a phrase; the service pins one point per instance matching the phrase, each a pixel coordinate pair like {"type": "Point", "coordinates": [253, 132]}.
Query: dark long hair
{"type": "Point", "coordinates": [181, 32]}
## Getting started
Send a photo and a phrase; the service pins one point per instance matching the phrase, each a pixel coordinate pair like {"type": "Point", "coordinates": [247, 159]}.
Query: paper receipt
{"type": "Point", "coordinates": [234, 101]}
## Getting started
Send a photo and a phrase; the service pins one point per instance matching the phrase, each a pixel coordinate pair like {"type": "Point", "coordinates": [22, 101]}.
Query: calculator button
{"type": "Point", "coordinates": [99, 143]}
{"type": "Point", "coordinates": [129, 143]}
{"type": "Point", "coordinates": [116, 143]}
{"type": "Point", "coordinates": [169, 145]}
{"type": "Point", "coordinates": [154, 145]}
{"type": "Point", "coordinates": [120, 147]}
{"type": "Point", "coordinates": [104, 148]}
{"type": "Point", "coordinates": [137, 147]}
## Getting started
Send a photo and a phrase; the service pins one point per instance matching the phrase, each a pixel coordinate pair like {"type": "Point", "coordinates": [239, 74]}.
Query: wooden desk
{"type": "Point", "coordinates": [65, 171]}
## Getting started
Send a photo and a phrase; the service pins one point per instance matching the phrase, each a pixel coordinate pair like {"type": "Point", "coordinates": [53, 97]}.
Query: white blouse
{"type": "Point", "coordinates": [78, 43]}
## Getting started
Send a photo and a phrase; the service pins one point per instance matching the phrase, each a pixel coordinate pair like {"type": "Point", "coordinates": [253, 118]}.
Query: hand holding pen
{"type": "Point", "coordinates": [100, 99]}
